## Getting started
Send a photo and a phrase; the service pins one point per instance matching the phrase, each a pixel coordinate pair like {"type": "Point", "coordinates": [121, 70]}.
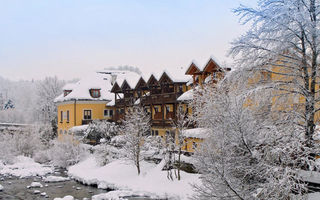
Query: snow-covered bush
{"type": "Point", "coordinates": [105, 153]}
{"type": "Point", "coordinates": [64, 154]}
{"type": "Point", "coordinates": [101, 129]}
{"type": "Point", "coordinates": [42, 156]}
{"type": "Point", "coordinates": [7, 150]}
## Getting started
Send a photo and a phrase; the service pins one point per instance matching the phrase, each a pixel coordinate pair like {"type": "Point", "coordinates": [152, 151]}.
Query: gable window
{"type": "Point", "coordinates": [95, 93]}
{"type": "Point", "coordinates": [66, 92]}
{"type": "Point", "coordinates": [87, 114]}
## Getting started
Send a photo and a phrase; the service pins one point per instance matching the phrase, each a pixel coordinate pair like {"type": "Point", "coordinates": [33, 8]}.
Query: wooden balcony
{"type": "Point", "coordinates": [170, 115]}
{"type": "Point", "coordinates": [159, 99]}
{"type": "Point", "coordinates": [158, 116]}
{"type": "Point", "coordinates": [86, 121]}
{"type": "Point", "coordinates": [161, 123]}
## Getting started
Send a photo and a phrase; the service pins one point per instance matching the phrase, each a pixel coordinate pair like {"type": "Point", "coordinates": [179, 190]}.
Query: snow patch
{"type": "Point", "coordinates": [122, 175]}
{"type": "Point", "coordinates": [55, 179]}
{"type": "Point", "coordinates": [25, 167]}
{"type": "Point", "coordinates": [68, 197]}
{"type": "Point", "coordinates": [35, 185]}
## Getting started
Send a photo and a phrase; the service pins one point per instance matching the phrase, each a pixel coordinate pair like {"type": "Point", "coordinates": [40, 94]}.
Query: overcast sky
{"type": "Point", "coordinates": [67, 38]}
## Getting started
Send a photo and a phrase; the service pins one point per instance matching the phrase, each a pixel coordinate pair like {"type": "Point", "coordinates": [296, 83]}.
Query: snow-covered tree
{"type": "Point", "coordinates": [47, 90]}
{"type": "Point", "coordinates": [136, 126]}
{"type": "Point", "coordinates": [180, 124]}
{"type": "Point", "coordinates": [284, 41]}
{"type": "Point", "coordinates": [247, 155]}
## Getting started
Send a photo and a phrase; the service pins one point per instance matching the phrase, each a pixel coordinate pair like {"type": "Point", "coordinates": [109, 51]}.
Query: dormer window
{"type": "Point", "coordinates": [66, 92]}
{"type": "Point", "coordinates": [95, 93]}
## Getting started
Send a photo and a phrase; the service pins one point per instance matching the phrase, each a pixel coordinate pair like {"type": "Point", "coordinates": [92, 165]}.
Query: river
{"type": "Point", "coordinates": [16, 189]}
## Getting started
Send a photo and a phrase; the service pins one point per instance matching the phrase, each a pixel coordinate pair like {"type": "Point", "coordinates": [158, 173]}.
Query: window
{"type": "Point", "coordinates": [156, 109]}
{"type": "Point", "coordinates": [152, 132]}
{"type": "Point", "coordinates": [180, 88]}
{"type": "Point", "coordinates": [167, 109]}
{"type": "Point", "coordinates": [87, 114]}
{"type": "Point", "coordinates": [194, 145]}
{"type": "Point", "coordinates": [61, 116]}
{"type": "Point", "coordinates": [106, 113]}
{"type": "Point", "coordinates": [95, 93]}
{"type": "Point", "coordinates": [68, 116]}
{"type": "Point", "coordinates": [66, 92]}
{"type": "Point", "coordinates": [156, 133]}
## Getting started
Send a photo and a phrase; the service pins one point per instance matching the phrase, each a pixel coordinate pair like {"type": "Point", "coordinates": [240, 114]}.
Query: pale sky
{"type": "Point", "coordinates": [68, 38]}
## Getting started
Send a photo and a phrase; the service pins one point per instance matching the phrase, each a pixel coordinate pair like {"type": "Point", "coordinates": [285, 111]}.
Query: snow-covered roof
{"type": "Point", "coordinates": [69, 86]}
{"type": "Point", "coordinates": [200, 133]}
{"type": "Point", "coordinates": [111, 103]}
{"type": "Point", "coordinates": [187, 96]}
{"type": "Point", "coordinates": [132, 78]}
{"type": "Point", "coordinates": [137, 102]}
{"type": "Point", "coordinates": [175, 74]}
{"type": "Point", "coordinates": [81, 89]}
{"type": "Point", "coordinates": [201, 64]}
{"type": "Point", "coordinates": [78, 128]}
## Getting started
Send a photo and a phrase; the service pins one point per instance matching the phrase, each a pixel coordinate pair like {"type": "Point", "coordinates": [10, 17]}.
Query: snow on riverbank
{"type": "Point", "coordinates": [123, 176]}
{"type": "Point", "coordinates": [55, 179]}
{"type": "Point", "coordinates": [25, 167]}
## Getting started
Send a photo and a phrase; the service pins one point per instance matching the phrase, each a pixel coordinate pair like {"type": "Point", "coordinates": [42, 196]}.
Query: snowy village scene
{"type": "Point", "coordinates": [160, 99]}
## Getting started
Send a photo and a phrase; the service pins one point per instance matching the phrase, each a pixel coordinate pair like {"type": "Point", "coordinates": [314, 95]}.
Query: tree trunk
{"type": "Point", "coordinates": [179, 164]}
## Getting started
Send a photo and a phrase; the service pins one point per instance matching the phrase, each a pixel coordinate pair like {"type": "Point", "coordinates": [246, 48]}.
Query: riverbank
{"type": "Point", "coordinates": [122, 175]}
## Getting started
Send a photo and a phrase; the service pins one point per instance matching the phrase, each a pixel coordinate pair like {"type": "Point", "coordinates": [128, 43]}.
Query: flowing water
{"type": "Point", "coordinates": [16, 189]}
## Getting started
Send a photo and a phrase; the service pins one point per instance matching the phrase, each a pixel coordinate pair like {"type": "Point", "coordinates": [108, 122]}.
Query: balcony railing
{"type": "Point", "coordinates": [86, 121]}
{"type": "Point", "coordinates": [170, 115]}
{"type": "Point", "coordinates": [158, 116]}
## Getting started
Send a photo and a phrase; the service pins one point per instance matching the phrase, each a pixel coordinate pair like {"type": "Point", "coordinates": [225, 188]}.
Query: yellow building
{"type": "Point", "coordinates": [87, 100]}
{"type": "Point", "coordinates": [211, 73]}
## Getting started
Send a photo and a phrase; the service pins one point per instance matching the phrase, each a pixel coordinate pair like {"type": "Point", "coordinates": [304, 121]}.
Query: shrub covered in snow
{"type": "Point", "coordinates": [105, 153]}
{"type": "Point", "coordinates": [101, 129]}
{"type": "Point", "coordinates": [64, 154]}
{"type": "Point", "coordinates": [26, 143]}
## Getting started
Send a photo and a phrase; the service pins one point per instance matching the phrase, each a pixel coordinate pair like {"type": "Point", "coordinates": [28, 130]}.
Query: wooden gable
{"type": "Point", "coordinates": [152, 81]}
{"type": "Point", "coordinates": [125, 86]}
{"type": "Point", "coordinates": [115, 88]}
{"type": "Point", "coordinates": [193, 69]}
{"type": "Point", "coordinates": [141, 84]}
{"type": "Point", "coordinates": [211, 66]}
{"type": "Point", "coordinates": [165, 79]}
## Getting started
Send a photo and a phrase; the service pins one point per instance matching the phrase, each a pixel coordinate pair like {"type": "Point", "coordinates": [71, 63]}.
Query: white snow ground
{"type": "Point", "coordinates": [122, 175]}
{"type": "Point", "coordinates": [25, 167]}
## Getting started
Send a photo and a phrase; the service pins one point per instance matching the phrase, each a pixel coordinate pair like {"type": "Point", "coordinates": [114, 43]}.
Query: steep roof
{"type": "Point", "coordinates": [81, 89]}
{"type": "Point", "coordinates": [152, 80]}
{"type": "Point", "coordinates": [141, 83]}
{"type": "Point", "coordinates": [186, 96]}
